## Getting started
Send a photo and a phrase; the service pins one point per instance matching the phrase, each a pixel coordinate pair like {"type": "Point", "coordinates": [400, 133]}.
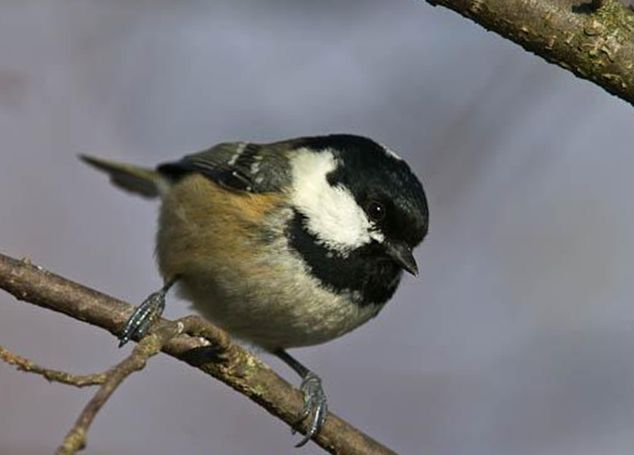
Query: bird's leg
{"type": "Point", "coordinates": [315, 406]}
{"type": "Point", "coordinates": [145, 314]}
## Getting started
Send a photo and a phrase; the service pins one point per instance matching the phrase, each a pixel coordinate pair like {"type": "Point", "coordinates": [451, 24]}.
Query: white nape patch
{"type": "Point", "coordinates": [332, 213]}
{"type": "Point", "coordinates": [389, 152]}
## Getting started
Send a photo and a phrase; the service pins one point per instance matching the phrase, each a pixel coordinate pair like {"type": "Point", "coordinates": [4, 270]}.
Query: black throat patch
{"type": "Point", "coordinates": [365, 271]}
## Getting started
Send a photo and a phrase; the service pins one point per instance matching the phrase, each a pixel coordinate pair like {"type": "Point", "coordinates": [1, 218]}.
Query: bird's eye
{"type": "Point", "coordinates": [376, 211]}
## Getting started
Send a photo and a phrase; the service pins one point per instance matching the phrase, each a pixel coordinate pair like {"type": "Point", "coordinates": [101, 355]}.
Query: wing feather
{"type": "Point", "coordinates": [239, 166]}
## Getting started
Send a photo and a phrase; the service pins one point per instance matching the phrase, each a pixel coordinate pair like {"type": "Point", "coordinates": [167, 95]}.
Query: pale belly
{"type": "Point", "coordinates": [273, 305]}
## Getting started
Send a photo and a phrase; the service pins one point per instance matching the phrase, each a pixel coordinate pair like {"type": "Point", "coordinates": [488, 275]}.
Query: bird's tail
{"type": "Point", "coordinates": [139, 180]}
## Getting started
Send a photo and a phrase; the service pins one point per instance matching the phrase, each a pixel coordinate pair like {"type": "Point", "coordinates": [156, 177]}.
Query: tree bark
{"type": "Point", "coordinates": [235, 366]}
{"type": "Point", "coordinates": [592, 39]}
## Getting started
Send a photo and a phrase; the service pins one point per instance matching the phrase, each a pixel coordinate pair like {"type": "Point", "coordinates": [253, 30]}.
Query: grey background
{"type": "Point", "coordinates": [518, 338]}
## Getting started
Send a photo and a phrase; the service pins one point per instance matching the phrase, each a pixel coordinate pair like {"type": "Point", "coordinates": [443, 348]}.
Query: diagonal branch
{"type": "Point", "coordinates": [594, 39]}
{"type": "Point", "coordinates": [236, 367]}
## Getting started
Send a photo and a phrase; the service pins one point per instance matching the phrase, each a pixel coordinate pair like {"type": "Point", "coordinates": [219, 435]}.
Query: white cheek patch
{"type": "Point", "coordinates": [332, 213]}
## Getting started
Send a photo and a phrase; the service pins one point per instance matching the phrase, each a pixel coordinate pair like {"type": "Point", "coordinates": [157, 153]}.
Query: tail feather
{"type": "Point", "coordinates": [135, 179]}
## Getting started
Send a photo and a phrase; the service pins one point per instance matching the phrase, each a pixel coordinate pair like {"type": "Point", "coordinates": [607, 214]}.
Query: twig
{"type": "Point", "coordinates": [237, 368]}
{"type": "Point", "coordinates": [52, 375]}
{"type": "Point", "coordinates": [110, 380]}
{"type": "Point", "coordinates": [148, 347]}
{"type": "Point", "coordinates": [592, 39]}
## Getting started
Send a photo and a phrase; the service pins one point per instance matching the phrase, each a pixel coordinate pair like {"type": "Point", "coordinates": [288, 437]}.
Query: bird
{"type": "Point", "coordinates": [283, 245]}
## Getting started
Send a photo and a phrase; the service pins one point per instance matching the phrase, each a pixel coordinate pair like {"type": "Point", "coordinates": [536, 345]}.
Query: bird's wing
{"type": "Point", "coordinates": [239, 166]}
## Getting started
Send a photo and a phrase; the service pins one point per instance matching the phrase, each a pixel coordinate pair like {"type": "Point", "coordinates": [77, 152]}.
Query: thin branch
{"type": "Point", "coordinates": [52, 375]}
{"type": "Point", "coordinates": [235, 367]}
{"type": "Point", "coordinates": [110, 380]}
{"type": "Point", "coordinates": [594, 39]}
{"type": "Point", "coordinates": [148, 347]}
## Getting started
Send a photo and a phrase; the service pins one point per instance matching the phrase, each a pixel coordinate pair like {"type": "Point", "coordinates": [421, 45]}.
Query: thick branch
{"type": "Point", "coordinates": [593, 38]}
{"type": "Point", "coordinates": [238, 368]}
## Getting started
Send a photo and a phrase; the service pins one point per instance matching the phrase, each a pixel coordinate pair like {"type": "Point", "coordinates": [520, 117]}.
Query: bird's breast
{"type": "Point", "coordinates": [234, 262]}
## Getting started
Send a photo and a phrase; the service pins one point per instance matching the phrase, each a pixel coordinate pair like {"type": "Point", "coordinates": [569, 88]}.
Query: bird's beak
{"type": "Point", "coordinates": [401, 253]}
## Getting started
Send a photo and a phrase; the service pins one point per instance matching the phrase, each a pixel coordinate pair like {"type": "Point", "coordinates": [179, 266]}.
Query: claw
{"type": "Point", "coordinates": [143, 317]}
{"type": "Point", "coordinates": [315, 406]}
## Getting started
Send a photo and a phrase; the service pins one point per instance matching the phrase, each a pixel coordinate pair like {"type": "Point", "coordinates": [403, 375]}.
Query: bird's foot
{"type": "Point", "coordinates": [315, 406]}
{"type": "Point", "coordinates": [143, 317]}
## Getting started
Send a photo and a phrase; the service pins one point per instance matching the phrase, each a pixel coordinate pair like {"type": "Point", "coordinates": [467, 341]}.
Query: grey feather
{"type": "Point", "coordinates": [135, 179]}
{"type": "Point", "coordinates": [240, 166]}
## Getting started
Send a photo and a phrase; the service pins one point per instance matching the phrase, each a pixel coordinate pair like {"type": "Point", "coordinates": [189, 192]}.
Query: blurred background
{"type": "Point", "coordinates": [518, 337]}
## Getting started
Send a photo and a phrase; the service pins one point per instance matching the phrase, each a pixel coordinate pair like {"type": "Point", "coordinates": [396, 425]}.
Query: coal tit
{"type": "Point", "coordinates": [286, 244]}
